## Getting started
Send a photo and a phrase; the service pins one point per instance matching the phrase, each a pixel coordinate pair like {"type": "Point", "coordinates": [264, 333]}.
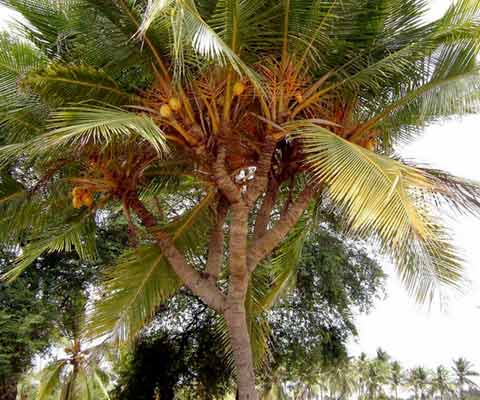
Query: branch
{"type": "Point", "coordinates": [200, 286]}
{"type": "Point", "coordinates": [268, 242]}
{"type": "Point", "coordinates": [215, 248]}
{"type": "Point", "coordinates": [239, 275]}
{"type": "Point", "coordinates": [261, 174]}
{"type": "Point", "coordinates": [224, 182]}
{"type": "Point", "coordinates": [263, 216]}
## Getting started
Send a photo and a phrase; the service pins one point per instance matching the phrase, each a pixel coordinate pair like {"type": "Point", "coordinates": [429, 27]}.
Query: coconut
{"type": "Point", "coordinates": [175, 104]}
{"type": "Point", "coordinates": [165, 111]}
{"type": "Point", "coordinates": [87, 199]}
{"type": "Point", "coordinates": [238, 88]}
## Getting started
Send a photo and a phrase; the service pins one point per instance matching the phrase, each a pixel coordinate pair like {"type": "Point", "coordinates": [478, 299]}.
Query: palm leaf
{"type": "Point", "coordinates": [384, 199]}
{"type": "Point", "coordinates": [60, 84]}
{"type": "Point", "coordinates": [190, 29]}
{"type": "Point", "coordinates": [50, 379]}
{"type": "Point", "coordinates": [16, 59]}
{"type": "Point", "coordinates": [78, 235]}
{"type": "Point", "coordinates": [90, 124]}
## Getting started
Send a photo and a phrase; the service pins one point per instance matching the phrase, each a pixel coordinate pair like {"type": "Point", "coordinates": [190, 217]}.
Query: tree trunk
{"type": "Point", "coordinates": [8, 389]}
{"type": "Point", "coordinates": [236, 319]}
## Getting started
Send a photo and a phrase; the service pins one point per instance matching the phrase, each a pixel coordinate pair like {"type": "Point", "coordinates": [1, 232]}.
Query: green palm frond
{"type": "Point", "coordinates": [134, 288]}
{"type": "Point", "coordinates": [50, 379]}
{"type": "Point", "coordinates": [384, 199]}
{"type": "Point", "coordinates": [44, 22]}
{"type": "Point", "coordinates": [283, 265]}
{"type": "Point", "coordinates": [142, 279]}
{"type": "Point", "coordinates": [21, 122]}
{"type": "Point", "coordinates": [79, 236]}
{"type": "Point", "coordinates": [244, 25]}
{"type": "Point", "coordinates": [60, 84]}
{"type": "Point", "coordinates": [126, 16]}
{"type": "Point", "coordinates": [101, 125]}
{"type": "Point", "coordinates": [190, 30]}
{"type": "Point", "coordinates": [16, 59]}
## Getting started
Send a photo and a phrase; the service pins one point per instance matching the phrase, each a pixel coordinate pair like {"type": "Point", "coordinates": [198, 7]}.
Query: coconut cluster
{"type": "Point", "coordinates": [174, 105]}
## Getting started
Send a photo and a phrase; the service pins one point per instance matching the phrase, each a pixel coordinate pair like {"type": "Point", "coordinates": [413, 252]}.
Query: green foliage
{"type": "Point", "coordinates": [311, 323]}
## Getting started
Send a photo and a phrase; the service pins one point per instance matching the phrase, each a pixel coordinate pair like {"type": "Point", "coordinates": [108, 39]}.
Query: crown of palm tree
{"type": "Point", "coordinates": [180, 111]}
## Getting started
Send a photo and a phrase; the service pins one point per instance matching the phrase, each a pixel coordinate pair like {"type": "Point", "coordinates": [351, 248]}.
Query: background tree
{"type": "Point", "coordinates": [24, 331]}
{"type": "Point", "coordinates": [463, 371]}
{"type": "Point", "coordinates": [418, 379]}
{"type": "Point", "coordinates": [260, 111]}
{"type": "Point", "coordinates": [40, 307]}
{"type": "Point", "coordinates": [441, 382]}
{"type": "Point", "coordinates": [396, 377]}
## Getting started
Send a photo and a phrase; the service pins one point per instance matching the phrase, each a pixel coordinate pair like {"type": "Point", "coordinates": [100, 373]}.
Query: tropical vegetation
{"type": "Point", "coordinates": [381, 377]}
{"type": "Point", "coordinates": [222, 132]}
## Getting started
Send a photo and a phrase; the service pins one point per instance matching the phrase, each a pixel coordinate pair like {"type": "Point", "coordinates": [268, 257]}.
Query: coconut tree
{"type": "Point", "coordinates": [79, 374]}
{"type": "Point", "coordinates": [463, 371]}
{"type": "Point", "coordinates": [418, 379]}
{"type": "Point", "coordinates": [441, 382]}
{"type": "Point", "coordinates": [377, 376]}
{"type": "Point", "coordinates": [396, 377]}
{"type": "Point", "coordinates": [220, 130]}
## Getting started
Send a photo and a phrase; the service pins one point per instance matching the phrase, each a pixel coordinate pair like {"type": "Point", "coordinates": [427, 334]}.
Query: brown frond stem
{"type": "Point", "coordinates": [260, 181]}
{"type": "Point", "coordinates": [262, 247]}
{"type": "Point", "coordinates": [223, 180]}
{"type": "Point", "coordinates": [265, 211]}
{"type": "Point", "coordinates": [215, 247]}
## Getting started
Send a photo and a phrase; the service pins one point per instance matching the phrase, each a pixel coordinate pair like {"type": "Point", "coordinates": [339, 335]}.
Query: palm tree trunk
{"type": "Point", "coordinates": [236, 319]}
{"type": "Point", "coordinates": [8, 389]}
{"type": "Point", "coordinates": [235, 313]}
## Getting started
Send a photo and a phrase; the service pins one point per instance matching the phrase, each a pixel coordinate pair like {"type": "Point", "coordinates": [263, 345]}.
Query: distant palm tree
{"type": "Point", "coordinates": [396, 377]}
{"type": "Point", "coordinates": [377, 377]}
{"type": "Point", "coordinates": [441, 382]}
{"type": "Point", "coordinates": [342, 380]}
{"type": "Point", "coordinates": [463, 370]}
{"type": "Point", "coordinates": [418, 380]}
{"type": "Point", "coordinates": [79, 374]}
{"type": "Point", "coordinates": [382, 355]}
{"type": "Point", "coordinates": [362, 374]}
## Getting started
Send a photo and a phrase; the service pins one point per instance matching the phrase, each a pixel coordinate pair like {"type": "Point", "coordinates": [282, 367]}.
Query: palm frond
{"type": "Point", "coordinates": [43, 22]}
{"type": "Point", "coordinates": [60, 84]}
{"type": "Point", "coordinates": [78, 236]}
{"type": "Point", "coordinates": [190, 30]}
{"type": "Point", "coordinates": [50, 379]}
{"type": "Point", "coordinates": [16, 59]}
{"type": "Point", "coordinates": [134, 288]}
{"type": "Point", "coordinates": [283, 265]}
{"type": "Point", "coordinates": [382, 198]}
{"type": "Point", "coordinates": [101, 125]}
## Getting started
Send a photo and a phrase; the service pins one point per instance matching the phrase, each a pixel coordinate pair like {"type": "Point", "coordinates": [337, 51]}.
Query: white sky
{"type": "Point", "coordinates": [411, 334]}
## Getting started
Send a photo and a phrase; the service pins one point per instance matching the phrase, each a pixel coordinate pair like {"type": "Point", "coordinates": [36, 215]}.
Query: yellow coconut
{"type": "Point", "coordinates": [238, 88]}
{"type": "Point", "coordinates": [77, 202]}
{"type": "Point", "coordinates": [87, 199]}
{"type": "Point", "coordinates": [299, 97]}
{"type": "Point", "coordinates": [175, 104]}
{"type": "Point", "coordinates": [165, 111]}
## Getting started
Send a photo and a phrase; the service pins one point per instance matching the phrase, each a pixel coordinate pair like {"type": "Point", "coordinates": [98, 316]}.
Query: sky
{"type": "Point", "coordinates": [410, 333]}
